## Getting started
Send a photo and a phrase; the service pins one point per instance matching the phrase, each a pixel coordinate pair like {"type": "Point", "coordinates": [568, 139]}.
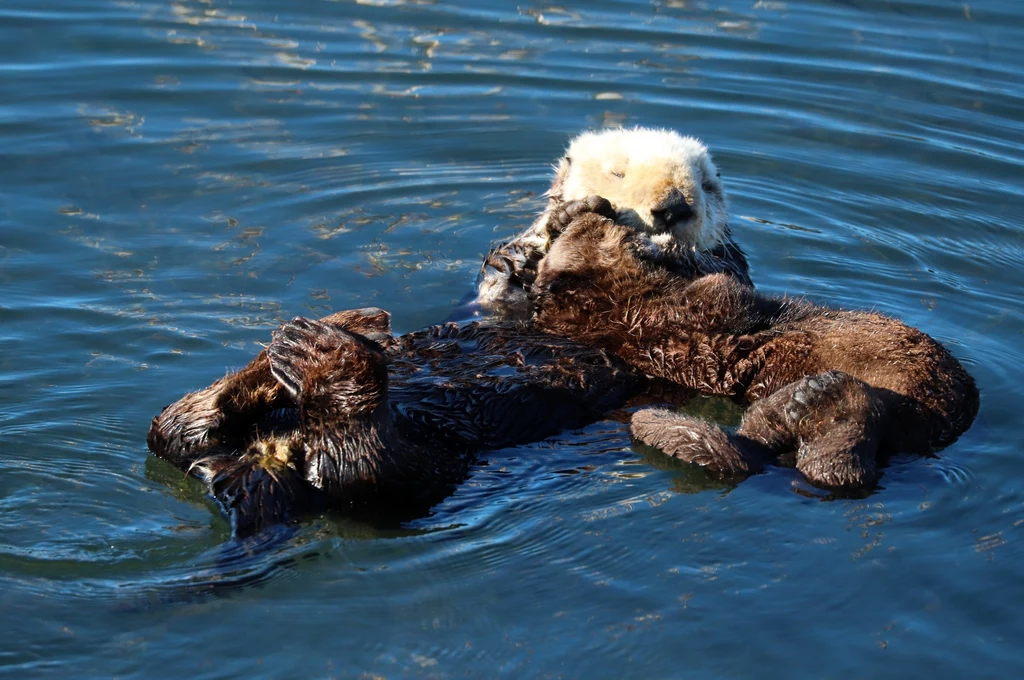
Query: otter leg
{"type": "Point", "coordinates": [698, 442]}
{"type": "Point", "coordinates": [832, 420]}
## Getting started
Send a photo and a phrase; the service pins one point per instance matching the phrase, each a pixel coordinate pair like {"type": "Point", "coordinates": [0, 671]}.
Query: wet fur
{"type": "Point", "coordinates": [663, 185]}
{"type": "Point", "coordinates": [843, 389]}
{"type": "Point", "coordinates": [326, 418]}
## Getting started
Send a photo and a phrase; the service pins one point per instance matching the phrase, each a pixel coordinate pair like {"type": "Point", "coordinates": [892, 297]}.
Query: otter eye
{"type": "Point", "coordinates": [618, 174]}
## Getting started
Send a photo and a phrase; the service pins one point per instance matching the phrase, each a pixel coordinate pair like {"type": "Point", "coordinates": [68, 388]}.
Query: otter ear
{"type": "Point", "coordinates": [557, 184]}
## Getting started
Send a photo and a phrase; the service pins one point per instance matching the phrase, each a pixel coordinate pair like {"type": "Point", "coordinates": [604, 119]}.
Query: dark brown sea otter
{"type": "Point", "coordinates": [843, 389]}
{"type": "Point", "coordinates": [338, 414]}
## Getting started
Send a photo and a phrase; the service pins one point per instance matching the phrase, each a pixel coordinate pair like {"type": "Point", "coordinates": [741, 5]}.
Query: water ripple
{"type": "Point", "coordinates": [181, 177]}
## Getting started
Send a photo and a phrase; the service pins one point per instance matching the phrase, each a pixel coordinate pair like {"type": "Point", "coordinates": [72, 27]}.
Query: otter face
{"type": "Point", "coordinates": [658, 182]}
{"type": "Point", "coordinates": [662, 186]}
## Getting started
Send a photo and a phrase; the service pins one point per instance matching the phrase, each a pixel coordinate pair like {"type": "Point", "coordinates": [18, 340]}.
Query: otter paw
{"type": "Point", "coordinates": [694, 441]}
{"type": "Point", "coordinates": [797, 410]}
{"type": "Point", "coordinates": [811, 393]}
{"type": "Point", "coordinates": [371, 322]}
{"type": "Point", "coordinates": [832, 421]}
{"type": "Point", "coordinates": [843, 458]}
{"type": "Point", "coordinates": [301, 348]}
{"type": "Point", "coordinates": [511, 262]}
{"type": "Point", "coordinates": [254, 496]}
{"type": "Point", "coordinates": [565, 213]}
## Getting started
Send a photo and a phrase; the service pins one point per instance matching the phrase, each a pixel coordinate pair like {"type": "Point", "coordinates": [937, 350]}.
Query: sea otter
{"type": "Point", "coordinates": [842, 389]}
{"type": "Point", "coordinates": [339, 414]}
{"type": "Point", "coordinates": [662, 184]}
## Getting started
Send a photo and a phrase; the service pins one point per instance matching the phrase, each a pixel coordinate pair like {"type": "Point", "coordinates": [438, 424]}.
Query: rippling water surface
{"type": "Point", "coordinates": [180, 177]}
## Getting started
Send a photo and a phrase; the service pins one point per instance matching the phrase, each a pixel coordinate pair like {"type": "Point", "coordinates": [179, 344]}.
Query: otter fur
{"type": "Point", "coordinates": [339, 414]}
{"type": "Point", "coordinates": [842, 389]}
{"type": "Point", "coordinates": [663, 185]}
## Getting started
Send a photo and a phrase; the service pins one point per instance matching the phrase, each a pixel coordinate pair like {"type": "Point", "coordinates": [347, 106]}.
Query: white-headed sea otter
{"type": "Point", "coordinates": [663, 185]}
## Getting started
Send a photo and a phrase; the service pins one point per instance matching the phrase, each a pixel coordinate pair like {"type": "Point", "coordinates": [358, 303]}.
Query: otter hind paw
{"type": "Point", "coordinates": [831, 419]}
{"type": "Point", "coordinates": [810, 394]}
{"type": "Point", "coordinates": [695, 441]}
{"type": "Point", "coordinates": [843, 459]}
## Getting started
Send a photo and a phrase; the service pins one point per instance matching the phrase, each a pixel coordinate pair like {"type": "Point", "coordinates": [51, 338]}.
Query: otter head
{"type": "Point", "coordinates": [595, 258]}
{"type": "Point", "coordinates": [662, 186]}
{"type": "Point", "coordinates": [658, 182]}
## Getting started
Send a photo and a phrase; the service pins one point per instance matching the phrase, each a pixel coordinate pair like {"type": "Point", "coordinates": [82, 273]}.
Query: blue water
{"type": "Point", "coordinates": [178, 178]}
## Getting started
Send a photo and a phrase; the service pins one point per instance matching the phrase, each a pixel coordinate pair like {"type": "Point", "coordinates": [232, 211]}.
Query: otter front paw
{"type": "Point", "coordinates": [254, 492]}
{"type": "Point", "coordinates": [574, 261]}
{"type": "Point", "coordinates": [695, 441]}
{"type": "Point", "coordinates": [510, 263]}
{"type": "Point", "coordinates": [564, 214]}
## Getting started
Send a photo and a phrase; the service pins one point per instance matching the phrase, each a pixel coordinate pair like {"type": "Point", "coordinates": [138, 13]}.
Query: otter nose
{"type": "Point", "coordinates": [672, 209]}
